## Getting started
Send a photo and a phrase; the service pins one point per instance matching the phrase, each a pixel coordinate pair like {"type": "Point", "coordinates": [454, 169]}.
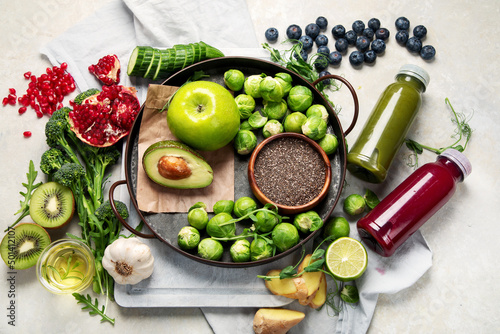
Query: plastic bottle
{"type": "Point", "coordinates": [385, 130]}
{"type": "Point", "coordinates": [413, 202]}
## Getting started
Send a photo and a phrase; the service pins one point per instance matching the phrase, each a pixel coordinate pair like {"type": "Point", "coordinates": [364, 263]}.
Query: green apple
{"type": "Point", "coordinates": [203, 115]}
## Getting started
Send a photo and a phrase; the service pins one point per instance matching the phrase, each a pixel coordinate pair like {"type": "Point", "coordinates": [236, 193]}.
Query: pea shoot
{"type": "Point", "coordinates": [462, 136]}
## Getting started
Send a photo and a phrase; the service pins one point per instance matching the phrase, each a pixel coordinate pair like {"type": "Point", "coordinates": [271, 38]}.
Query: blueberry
{"type": "Point", "coordinates": [427, 52]}
{"type": "Point", "coordinates": [312, 30]}
{"type": "Point", "coordinates": [321, 40]}
{"type": "Point", "coordinates": [322, 22]}
{"type": "Point", "coordinates": [307, 42]}
{"type": "Point", "coordinates": [358, 26]}
{"type": "Point", "coordinates": [374, 24]}
{"type": "Point", "coordinates": [325, 82]}
{"type": "Point", "coordinates": [402, 23]}
{"type": "Point", "coordinates": [378, 46]}
{"type": "Point", "coordinates": [368, 33]}
{"type": "Point", "coordinates": [356, 58]}
{"type": "Point", "coordinates": [382, 34]}
{"type": "Point", "coordinates": [338, 31]}
{"type": "Point", "coordinates": [420, 31]}
{"type": "Point", "coordinates": [341, 45]}
{"type": "Point", "coordinates": [370, 56]}
{"type": "Point", "coordinates": [351, 37]}
{"type": "Point", "coordinates": [324, 50]}
{"type": "Point", "coordinates": [335, 58]}
{"type": "Point", "coordinates": [321, 63]}
{"type": "Point", "coordinates": [362, 43]}
{"type": "Point", "coordinates": [272, 34]}
{"type": "Point", "coordinates": [402, 37]}
{"type": "Point", "coordinates": [294, 32]}
{"type": "Point", "coordinates": [303, 55]}
{"type": "Point", "coordinates": [414, 44]}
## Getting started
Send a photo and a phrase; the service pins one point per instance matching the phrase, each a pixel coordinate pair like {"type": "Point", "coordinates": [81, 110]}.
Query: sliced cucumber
{"type": "Point", "coordinates": [154, 65]}
{"type": "Point", "coordinates": [148, 58]}
{"type": "Point", "coordinates": [139, 60]}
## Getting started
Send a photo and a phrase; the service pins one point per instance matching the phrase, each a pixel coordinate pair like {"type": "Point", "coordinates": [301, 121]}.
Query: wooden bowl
{"type": "Point", "coordinates": [286, 209]}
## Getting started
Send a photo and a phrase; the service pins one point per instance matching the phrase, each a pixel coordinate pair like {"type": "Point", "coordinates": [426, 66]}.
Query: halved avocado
{"type": "Point", "coordinates": [173, 164]}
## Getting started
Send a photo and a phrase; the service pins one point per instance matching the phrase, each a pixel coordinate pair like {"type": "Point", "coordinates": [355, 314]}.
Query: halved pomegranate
{"type": "Point", "coordinates": [107, 70]}
{"type": "Point", "coordinates": [104, 118]}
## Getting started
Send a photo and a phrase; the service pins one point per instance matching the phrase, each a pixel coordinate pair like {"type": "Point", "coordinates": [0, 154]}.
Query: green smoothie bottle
{"type": "Point", "coordinates": [385, 130]}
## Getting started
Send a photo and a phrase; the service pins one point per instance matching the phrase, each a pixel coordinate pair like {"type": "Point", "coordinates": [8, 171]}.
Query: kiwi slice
{"type": "Point", "coordinates": [52, 205]}
{"type": "Point", "coordinates": [21, 246]}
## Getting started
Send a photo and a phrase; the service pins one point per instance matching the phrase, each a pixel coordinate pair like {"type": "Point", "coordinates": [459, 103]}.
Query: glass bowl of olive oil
{"type": "Point", "coordinates": [66, 266]}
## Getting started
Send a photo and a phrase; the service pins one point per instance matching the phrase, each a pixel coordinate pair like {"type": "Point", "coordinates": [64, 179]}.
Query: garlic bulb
{"type": "Point", "coordinates": [128, 261]}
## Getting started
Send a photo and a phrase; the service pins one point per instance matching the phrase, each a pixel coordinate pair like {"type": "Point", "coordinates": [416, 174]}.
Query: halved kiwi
{"type": "Point", "coordinates": [52, 205]}
{"type": "Point", "coordinates": [21, 246]}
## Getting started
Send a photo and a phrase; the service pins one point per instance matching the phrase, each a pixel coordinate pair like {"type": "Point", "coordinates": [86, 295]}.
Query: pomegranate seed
{"type": "Point", "coordinates": [22, 110]}
{"type": "Point", "coordinates": [39, 114]}
{"type": "Point", "coordinates": [12, 91]}
{"type": "Point", "coordinates": [27, 134]}
{"type": "Point", "coordinates": [27, 75]}
{"type": "Point", "coordinates": [64, 66]}
{"type": "Point", "coordinates": [5, 101]}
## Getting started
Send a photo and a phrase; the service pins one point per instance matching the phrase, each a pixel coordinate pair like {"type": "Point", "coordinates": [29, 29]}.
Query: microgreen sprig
{"type": "Point", "coordinates": [93, 308]}
{"type": "Point", "coordinates": [462, 132]}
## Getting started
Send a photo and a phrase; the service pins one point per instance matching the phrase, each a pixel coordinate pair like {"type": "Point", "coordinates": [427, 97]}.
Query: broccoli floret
{"type": "Point", "coordinates": [61, 114]}
{"type": "Point", "coordinates": [105, 212]}
{"type": "Point", "coordinates": [83, 95]}
{"type": "Point", "coordinates": [71, 175]}
{"type": "Point", "coordinates": [52, 160]}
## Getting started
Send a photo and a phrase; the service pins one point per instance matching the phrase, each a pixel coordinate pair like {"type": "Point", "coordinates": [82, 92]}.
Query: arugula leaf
{"type": "Point", "coordinates": [30, 187]}
{"type": "Point", "coordinates": [93, 308]}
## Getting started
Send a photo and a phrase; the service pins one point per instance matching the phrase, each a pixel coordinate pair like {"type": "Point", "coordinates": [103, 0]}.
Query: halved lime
{"type": "Point", "coordinates": [346, 259]}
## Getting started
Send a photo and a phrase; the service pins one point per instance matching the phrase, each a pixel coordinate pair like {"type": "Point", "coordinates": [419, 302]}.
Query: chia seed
{"type": "Point", "coordinates": [289, 171]}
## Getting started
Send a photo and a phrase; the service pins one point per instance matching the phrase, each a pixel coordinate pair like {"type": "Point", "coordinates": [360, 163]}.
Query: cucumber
{"type": "Point", "coordinates": [152, 63]}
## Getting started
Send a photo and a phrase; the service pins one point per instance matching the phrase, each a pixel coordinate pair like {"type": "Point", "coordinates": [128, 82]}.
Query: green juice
{"type": "Point", "coordinates": [385, 130]}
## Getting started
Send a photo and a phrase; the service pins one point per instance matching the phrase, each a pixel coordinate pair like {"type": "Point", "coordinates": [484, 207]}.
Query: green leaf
{"type": "Point", "coordinates": [349, 294]}
{"type": "Point", "coordinates": [288, 272]}
{"type": "Point", "coordinates": [315, 266]}
{"type": "Point", "coordinates": [371, 199]}
{"type": "Point", "coordinates": [93, 308]}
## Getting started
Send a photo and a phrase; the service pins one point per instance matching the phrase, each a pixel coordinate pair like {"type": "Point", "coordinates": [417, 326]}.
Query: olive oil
{"type": "Point", "coordinates": [66, 266]}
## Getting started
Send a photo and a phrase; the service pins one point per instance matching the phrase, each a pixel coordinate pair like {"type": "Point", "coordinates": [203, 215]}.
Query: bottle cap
{"type": "Point", "coordinates": [416, 72]}
{"type": "Point", "coordinates": [459, 159]}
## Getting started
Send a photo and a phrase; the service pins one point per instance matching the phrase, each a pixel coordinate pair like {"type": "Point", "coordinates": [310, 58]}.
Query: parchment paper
{"type": "Point", "coordinates": [152, 197]}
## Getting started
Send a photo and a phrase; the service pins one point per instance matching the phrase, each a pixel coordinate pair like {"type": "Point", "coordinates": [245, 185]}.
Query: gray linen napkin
{"type": "Point", "coordinates": [163, 23]}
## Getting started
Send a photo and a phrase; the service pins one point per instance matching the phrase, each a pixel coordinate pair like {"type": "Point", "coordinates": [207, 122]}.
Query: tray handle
{"type": "Point", "coordinates": [353, 93]}
{"type": "Point", "coordinates": [124, 223]}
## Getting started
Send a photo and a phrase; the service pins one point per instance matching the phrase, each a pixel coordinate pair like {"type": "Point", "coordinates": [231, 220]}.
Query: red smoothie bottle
{"type": "Point", "coordinates": [413, 202]}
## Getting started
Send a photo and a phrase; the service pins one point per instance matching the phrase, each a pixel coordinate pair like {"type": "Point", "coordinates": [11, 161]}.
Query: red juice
{"type": "Point", "coordinates": [413, 202]}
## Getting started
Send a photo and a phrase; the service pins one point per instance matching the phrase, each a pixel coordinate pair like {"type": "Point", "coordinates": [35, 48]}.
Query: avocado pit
{"type": "Point", "coordinates": [173, 168]}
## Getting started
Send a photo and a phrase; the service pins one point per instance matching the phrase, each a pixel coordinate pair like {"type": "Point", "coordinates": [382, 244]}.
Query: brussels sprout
{"type": "Point", "coordinates": [198, 218]}
{"type": "Point", "coordinates": [234, 79]}
{"type": "Point", "coordinates": [294, 122]}
{"type": "Point", "coordinates": [371, 199]}
{"type": "Point", "coordinates": [265, 221]}
{"type": "Point", "coordinates": [188, 238]}
{"type": "Point", "coordinates": [271, 89]}
{"type": "Point", "coordinates": [246, 105]}
{"type": "Point", "coordinates": [245, 125]}
{"type": "Point", "coordinates": [314, 127]}
{"type": "Point", "coordinates": [285, 236]}
{"type": "Point", "coordinates": [336, 227]}
{"type": "Point", "coordinates": [245, 141]}
{"type": "Point", "coordinates": [272, 127]}
{"type": "Point", "coordinates": [275, 110]}
{"type": "Point", "coordinates": [308, 221]}
{"type": "Point", "coordinates": [244, 205]}
{"type": "Point", "coordinates": [299, 98]}
{"type": "Point", "coordinates": [354, 204]}
{"type": "Point", "coordinates": [257, 120]}
{"type": "Point", "coordinates": [260, 249]}
{"type": "Point", "coordinates": [240, 250]}
{"type": "Point", "coordinates": [251, 86]}
{"type": "Point", "coordinates": [285, 80]}
{"type": "Point", "coordinates": [224, 205]}
{"type": "Point", "coordinates": [317, 110]}
{"type": "Point", "coordinates": [210, 249]}
{"type": "Point", "coordinates": [329, 143]}
{"type": "Point", "coordinates": [218, 226]}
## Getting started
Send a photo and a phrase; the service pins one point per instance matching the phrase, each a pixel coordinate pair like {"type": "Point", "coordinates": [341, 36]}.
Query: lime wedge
{"type": "Point", "coordinates": [346, 259]}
